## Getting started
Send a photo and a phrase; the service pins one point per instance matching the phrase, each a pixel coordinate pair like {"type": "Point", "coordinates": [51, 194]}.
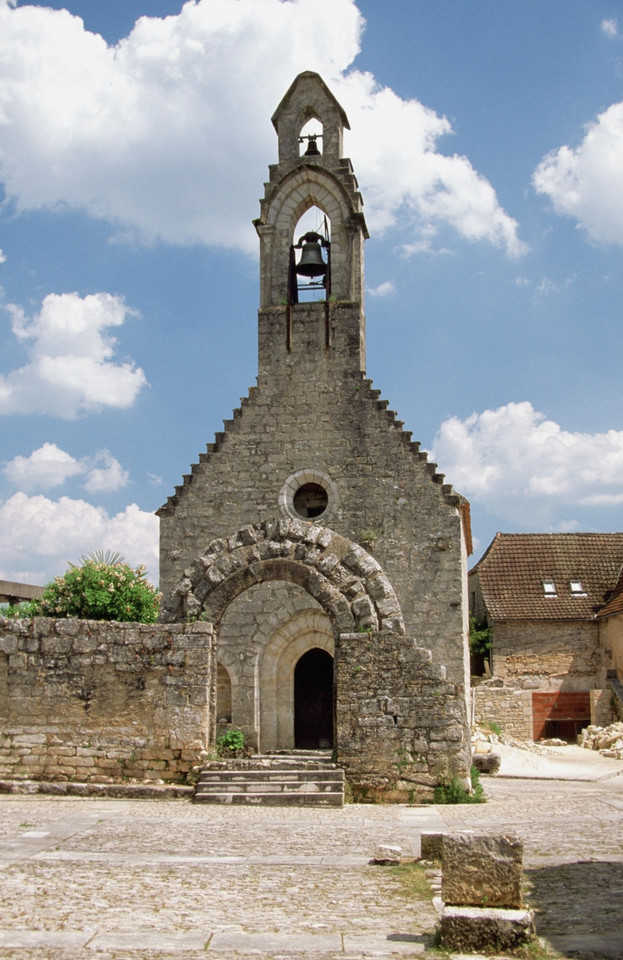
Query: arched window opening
{"type": "Point", "coordinates": [223, 695]}
{"type": "Point", "coordinates": [310, 139]}
{"type": "Point", "coordinates": [310, 260]}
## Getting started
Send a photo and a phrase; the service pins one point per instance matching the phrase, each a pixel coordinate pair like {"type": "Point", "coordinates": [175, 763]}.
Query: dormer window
{"type": "Point", "coordinates": [549, 588]}
{"type": "Point", "coordinates": [577, 590]}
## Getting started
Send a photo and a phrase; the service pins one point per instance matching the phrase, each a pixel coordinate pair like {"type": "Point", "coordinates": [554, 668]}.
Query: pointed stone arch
{"type": "Point", "coordinates": [343, 578]}
{"type": "Point", "coordinates": [303, 187]}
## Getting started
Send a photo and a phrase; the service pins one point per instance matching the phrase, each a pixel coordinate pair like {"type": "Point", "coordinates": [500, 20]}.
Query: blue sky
{"type": "Point", "coordinates": [135, 137]}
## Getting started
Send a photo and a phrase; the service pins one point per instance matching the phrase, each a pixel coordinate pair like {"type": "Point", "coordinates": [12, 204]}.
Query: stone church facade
{"type": "Point", "coordinates": [326, 552]}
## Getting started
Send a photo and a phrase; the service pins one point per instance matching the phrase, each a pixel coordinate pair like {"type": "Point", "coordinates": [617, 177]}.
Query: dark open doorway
{"type": "Point", "coordinates": [313, 701]}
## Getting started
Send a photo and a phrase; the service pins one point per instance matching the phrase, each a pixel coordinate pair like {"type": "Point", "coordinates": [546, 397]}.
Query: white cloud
{"type": "Point", "coordinates": [586, 182]}
{"type": "Point", "coordinates": [107, 478]}
{"type": "Point", "coordinates": [140, 133]}
{"type": "Point", "coordinates": [41, 536]}
{"type": "Point", "coordinates": [71, 367]}
{"type": "Point", "coordinates": [383, 290]}
{"type": "Point", "coordinates": [49, 466]}
{"type": "Point", "coordinates": [2, 257]}
{"type": "Point", "coordinates": [527, 469]}
{"type": "Point", "coordinates": [610, 28]}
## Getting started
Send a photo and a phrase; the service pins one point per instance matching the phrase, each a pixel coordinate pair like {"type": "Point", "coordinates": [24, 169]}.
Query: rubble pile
{"type": "Point", "coordinates": [608, 740]}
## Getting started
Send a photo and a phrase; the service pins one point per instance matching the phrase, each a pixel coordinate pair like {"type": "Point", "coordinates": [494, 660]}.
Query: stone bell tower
{"type": "Point", "coordinates": [318, 177]}
{"type": "Point", "coordinates": [328, 553]}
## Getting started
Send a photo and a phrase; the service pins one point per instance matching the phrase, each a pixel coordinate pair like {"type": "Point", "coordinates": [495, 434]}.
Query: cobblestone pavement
{"type": "Point", "coordinates": [166, 880]}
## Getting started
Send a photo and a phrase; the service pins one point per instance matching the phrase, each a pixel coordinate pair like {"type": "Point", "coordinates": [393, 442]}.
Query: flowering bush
{"type": "Point", "coordinates": [97, 590]}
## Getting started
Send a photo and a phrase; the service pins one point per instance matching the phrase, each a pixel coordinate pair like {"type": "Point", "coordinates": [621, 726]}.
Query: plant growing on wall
{"type": "Point", "coordinates": [479, 645]}
{"type": "Point", "coordinates": [231, 744]}
{"type": "Point", "coordinates": [100, 590]}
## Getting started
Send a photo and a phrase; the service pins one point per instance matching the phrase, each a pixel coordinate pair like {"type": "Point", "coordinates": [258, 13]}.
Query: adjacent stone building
{"type": "Point", "coordinates": [313, 534]}
{"type": "Point", "coordinates": [554, 607]}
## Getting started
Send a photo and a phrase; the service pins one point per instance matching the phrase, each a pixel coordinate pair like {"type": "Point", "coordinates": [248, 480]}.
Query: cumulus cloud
{"type": "Point", "coordinates": [71, 368]}
{"type": "Point", "coordinates": [49, 467]}
{"type": "Point", "coordinates": [524, 467]}
{"type": "Point", "coordinates": [108, 477]}
{"type": "Point", "coordinates": [610, 28]}
{"type": "Point", "coordinates": [586, 182]}
{"type": "Point", "coordinates": [140, 133]}
{"type": "Point", "coordinates": [383, 290]}
{"type": "Point", "coordinates": [40, 536]}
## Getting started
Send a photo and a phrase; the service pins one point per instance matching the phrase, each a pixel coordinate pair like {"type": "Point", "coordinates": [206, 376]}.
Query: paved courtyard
{"type": "Point", "coordinates": [168, 880]}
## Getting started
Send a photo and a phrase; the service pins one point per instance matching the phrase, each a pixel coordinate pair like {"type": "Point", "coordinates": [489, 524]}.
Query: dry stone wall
{"type": "Point", "coordinates": [91, 701]}
{"type": "Point", "coordinates": [548, 655]}
{"type": "Point", "coordinates": [400, 722]}
{"type": "Point", "coordinates": [510, 708]}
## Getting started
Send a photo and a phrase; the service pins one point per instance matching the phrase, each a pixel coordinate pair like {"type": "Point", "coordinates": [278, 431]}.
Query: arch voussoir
{"type": "Point", "coordinates": [343, 577]}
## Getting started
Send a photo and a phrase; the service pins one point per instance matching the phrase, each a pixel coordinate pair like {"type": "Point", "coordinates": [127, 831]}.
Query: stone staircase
{"type": "Point", "coordinates": [300, 778]}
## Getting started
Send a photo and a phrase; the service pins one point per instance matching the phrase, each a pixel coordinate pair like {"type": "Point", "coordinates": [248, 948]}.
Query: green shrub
{"type": "Point", "coordinates": [20, 611]}
{"type": "Point", "coordinates": [479, 637]}
{"type": "Point", "coordinates": [493, 726]}
{"type": "Point", "coordinates": [452, 791]}
{"type": "Point", "coordinates": [230, 744]}
{"type": "Point", "coordinates": [97, 590]}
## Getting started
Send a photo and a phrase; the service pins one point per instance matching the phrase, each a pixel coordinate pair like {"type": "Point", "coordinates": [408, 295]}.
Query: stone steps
{"type": "Point", "coordinates": [272, 780]}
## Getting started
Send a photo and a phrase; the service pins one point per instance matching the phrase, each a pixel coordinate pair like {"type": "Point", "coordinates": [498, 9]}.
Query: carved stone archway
{"type": "Point", "coordinates": [344, 578]}
{"type": "Point", "coordinates": [306, 630]}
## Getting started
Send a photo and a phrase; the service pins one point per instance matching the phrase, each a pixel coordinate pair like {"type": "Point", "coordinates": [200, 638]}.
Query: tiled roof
{"type": "Point", "coordinates": [513, 569]}
{"type": "Point", "coordinates": [615, 602]}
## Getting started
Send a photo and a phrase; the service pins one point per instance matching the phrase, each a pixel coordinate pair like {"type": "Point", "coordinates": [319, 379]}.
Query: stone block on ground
{"type": "Point", "coordinates": [487, 762]}
{"type": "Point", "coordinates": [486, 929]}
{"type": "Point", "coordinates": [430, 846]}
{"type": "Point", "coordinates": [482, 871]}
{"type": "Point", "coordinates": [387, 855]}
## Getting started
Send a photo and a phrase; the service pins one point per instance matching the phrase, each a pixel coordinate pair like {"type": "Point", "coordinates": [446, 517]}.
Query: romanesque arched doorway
{"type": "Point", "coordinates": [313, 701]}
{"type": "Point", "coordinates": [294, 587]}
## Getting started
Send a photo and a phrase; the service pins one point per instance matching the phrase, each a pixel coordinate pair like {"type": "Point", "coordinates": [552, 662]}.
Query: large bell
{"type": "Point", "coordinates": [312, 147]}
{"type": "Point", "coordinates": [311, 263]}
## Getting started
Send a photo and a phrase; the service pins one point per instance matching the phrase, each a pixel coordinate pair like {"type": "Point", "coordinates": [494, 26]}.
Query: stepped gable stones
{"type": "Point", "coordinates": [340, 574]}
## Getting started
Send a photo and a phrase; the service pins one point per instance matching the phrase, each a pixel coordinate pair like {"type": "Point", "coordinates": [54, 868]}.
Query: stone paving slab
{"type": "Point", "coordinates": [116, 879]}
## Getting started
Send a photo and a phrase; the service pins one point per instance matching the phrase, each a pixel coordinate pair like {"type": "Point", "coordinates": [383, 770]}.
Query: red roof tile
{"type": "Point", "coordinates": [512, 571]}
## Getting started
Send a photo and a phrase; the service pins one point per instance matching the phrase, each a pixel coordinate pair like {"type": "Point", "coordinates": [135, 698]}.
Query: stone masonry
{"type": "Point", "coordinates": [92, 701]}
{"type": "Point", "coordinates": [313, 516]}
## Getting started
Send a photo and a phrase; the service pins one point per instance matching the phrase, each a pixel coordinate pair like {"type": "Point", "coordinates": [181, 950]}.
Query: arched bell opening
{"type": "Point", "coordinates": [310, 258]}
{"type": "Point", "coordinates": [310, 139]}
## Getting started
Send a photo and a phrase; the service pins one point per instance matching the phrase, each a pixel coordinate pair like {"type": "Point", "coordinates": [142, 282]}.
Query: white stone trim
{"type": "Point", "coordinates": [298, 480]}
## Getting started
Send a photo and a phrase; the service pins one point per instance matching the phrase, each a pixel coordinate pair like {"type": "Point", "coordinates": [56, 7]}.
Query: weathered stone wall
{"type": "Point", "coordinates": [400, 723]}
{"type": "Point", "coordinates": [262, 634]}
{"type": "Point", "coordinates": [93, 701]}
{"type": "Point", "coordinates": [611, 643]}
{"type": "Point", "coordinates": [514, 708]}
{"type": "Point", "coordinates": [603, 707]}
{"type": "Point", "coordinates": [313, 411]}
{"type": "Point", "coordinates": [509, 707]}
{"type": "Point", "coordinates": [548, 655]}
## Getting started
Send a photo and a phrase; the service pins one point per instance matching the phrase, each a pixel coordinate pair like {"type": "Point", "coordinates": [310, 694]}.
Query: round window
{"type": "Point", "coordinates": [308, 495]}
{"type": "Point", "coordinates": [310, 501]}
